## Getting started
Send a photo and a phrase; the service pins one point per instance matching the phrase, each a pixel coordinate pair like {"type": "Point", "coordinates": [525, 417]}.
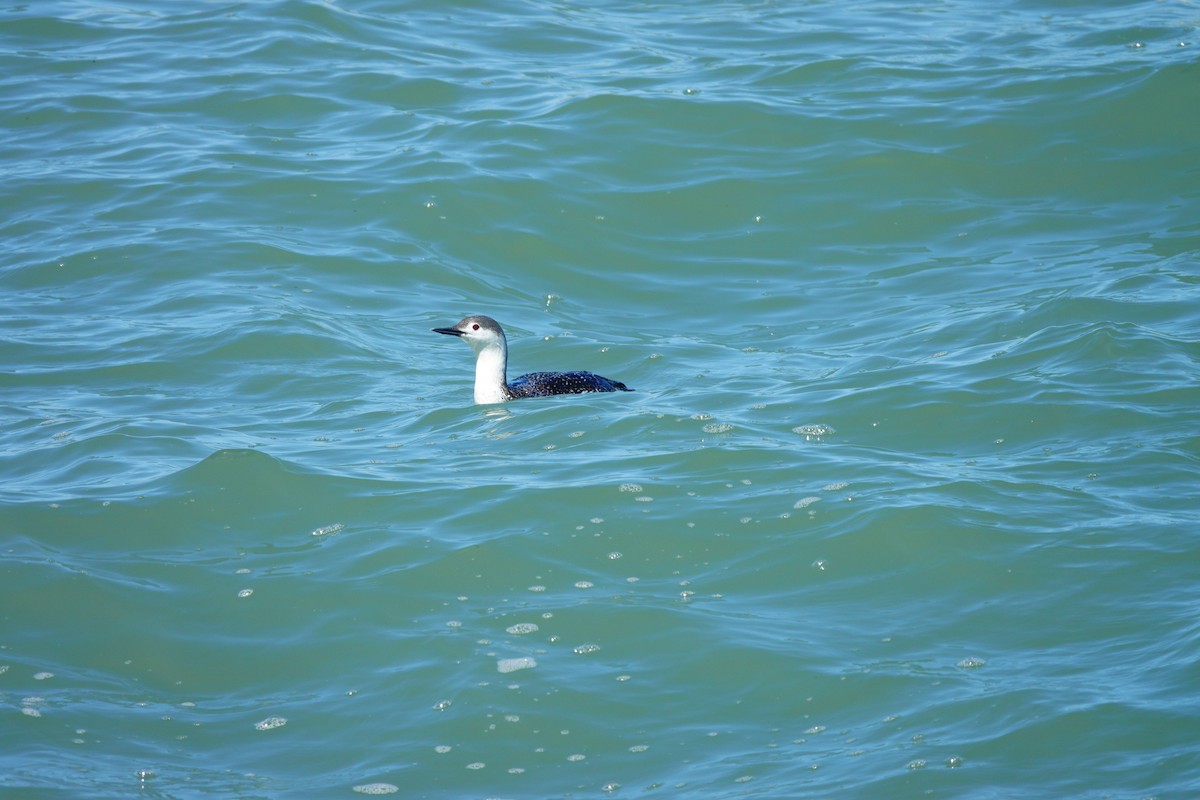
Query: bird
{"type": "Point", "coordinates": [486, 338]}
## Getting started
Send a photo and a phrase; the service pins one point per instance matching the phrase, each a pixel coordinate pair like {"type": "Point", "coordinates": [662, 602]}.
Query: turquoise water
{"type": "Point", "coordinates": [905, 504]}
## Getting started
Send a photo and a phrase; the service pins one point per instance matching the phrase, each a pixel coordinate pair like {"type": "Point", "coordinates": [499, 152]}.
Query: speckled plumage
{"type": "Point", "coordinates": [542, 384]}
{"type": "Point", "coordinates": [486, 338]}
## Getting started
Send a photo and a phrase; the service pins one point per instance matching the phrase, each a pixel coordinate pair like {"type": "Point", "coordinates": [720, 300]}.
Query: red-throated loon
{"type": "Point", "coordinates": [486, 338]}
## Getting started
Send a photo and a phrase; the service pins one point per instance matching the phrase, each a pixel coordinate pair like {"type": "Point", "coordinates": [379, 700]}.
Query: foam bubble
{"type": "Point", "coordinates": [325, 530]}
{"type": "Point", "coordinates": [814, 431]}
{"type": "Point", "coordinates": [631, 487]}
{"type": "Point", "coordinates": [585, 649]}
{"type": "Point", "coordinates": [270, 723]}
{"type": "Point", "coordinates": [514, 664]}
{"type": "Point", "coordinates": [377, 788]}
{"type": "Point", "coordinates": [522, 628]}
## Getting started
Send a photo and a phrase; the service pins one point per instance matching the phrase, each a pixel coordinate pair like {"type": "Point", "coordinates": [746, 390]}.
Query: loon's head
{"type": "Point", "coordinates": [478, 331]}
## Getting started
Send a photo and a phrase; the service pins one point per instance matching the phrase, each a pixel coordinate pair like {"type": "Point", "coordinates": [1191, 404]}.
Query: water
{"type": "Point", "coordinates": [904, 504]}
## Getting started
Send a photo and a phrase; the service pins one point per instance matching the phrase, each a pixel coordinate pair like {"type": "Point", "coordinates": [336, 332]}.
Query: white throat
{"type": "Point", "coordinates": [491, 385]}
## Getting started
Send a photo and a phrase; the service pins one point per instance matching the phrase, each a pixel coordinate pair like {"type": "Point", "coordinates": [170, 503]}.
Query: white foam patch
{"type": "Point", "coordinates": [814, 431]}
{"type": "Point", "coordinates": [514, 664]}
{"type": "Point", "coordinates": [377, 788]}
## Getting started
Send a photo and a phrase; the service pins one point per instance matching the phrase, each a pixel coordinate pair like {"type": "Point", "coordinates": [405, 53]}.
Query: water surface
{"type": "Point", "coordinates": [904, 503]}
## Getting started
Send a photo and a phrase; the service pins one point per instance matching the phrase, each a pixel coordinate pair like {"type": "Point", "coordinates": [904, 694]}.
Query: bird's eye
{"type": "Point", "coordinates": [475, 327]}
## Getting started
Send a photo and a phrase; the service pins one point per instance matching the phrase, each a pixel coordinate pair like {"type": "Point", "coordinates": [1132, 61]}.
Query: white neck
{"type": "Point", "coordinates": [491, 385]}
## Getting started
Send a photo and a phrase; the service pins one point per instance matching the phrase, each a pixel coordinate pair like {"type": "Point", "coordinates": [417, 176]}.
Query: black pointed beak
{"type": "Point", "coordinates": [448, 331]}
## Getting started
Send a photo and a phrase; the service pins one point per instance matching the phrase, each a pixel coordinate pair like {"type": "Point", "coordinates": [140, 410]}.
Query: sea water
{"type": "Point", "coordinates": [906, 502]}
